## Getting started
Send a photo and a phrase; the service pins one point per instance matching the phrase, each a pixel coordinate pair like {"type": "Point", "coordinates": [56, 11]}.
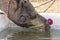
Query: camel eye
{"type": "Point", "coordinates": [24, 1]}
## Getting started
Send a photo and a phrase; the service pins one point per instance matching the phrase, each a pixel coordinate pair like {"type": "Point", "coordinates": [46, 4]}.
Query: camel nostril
{"type": "Point", "coordinates": [22, 18]}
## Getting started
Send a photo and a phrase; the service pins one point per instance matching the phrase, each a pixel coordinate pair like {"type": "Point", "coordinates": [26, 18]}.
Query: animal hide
{"type": "Point", "coordinates": [22, 13]}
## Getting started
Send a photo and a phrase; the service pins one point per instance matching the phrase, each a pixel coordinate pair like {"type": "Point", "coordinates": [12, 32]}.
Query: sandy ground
{"type": "Point", "coordinates": [53, 9]}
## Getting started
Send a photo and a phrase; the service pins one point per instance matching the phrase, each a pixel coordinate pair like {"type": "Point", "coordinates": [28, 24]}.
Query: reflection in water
{"type": "Point", "coordinates": [28, 34]}
{"type": "Point", "coordinates": [25, 35]}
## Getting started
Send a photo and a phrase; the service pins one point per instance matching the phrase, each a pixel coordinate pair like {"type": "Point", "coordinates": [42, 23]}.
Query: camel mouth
{"type": "Point", "coordinates": [37, 26]}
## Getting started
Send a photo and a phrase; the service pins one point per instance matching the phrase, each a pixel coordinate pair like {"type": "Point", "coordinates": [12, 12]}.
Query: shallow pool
{"type": "Point", "coordinates": [14, 34]}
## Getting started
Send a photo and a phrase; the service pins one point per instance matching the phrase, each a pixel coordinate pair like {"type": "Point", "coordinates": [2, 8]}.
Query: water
{"type": "Point", "coordinates": [29, 34]}
{"type": "Point", "coordinates": [15, 33]}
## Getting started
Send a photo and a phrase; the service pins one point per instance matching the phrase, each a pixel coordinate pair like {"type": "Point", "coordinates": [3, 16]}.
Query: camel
{"type": "Point", "coordinates": [22, 13]}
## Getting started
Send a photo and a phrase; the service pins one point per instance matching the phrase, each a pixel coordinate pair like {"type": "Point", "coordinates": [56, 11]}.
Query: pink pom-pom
{"type": "Point", "coordinates": [50, 21]}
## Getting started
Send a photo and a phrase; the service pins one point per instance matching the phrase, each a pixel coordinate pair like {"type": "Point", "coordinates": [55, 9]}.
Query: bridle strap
{"type": "Point", "coordinates": [8, 5]}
